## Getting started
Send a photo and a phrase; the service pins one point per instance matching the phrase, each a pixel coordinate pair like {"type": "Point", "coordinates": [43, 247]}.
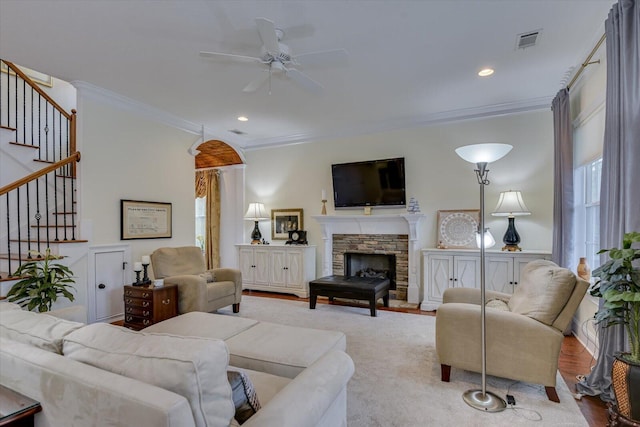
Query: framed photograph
{"type": "Point", "coordinates": [144, 220]}
{"type": "Point", "coordinates": [36, 76]}
{"type": "Point", "coordinates": [285, 220]}
{"type": "Point", "coordinates": [457, 228]}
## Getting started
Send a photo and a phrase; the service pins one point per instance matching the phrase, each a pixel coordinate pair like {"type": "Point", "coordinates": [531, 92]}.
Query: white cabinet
{"type": "Point", "coordinates": [444, 271]}
{"type": "Point", "coordinates": [277, 268]}
{"type": "Point", "coordinates": [448, 268]}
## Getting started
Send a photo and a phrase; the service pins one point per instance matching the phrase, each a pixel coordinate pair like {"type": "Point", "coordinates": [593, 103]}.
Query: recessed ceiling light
{"type": "Point", "coordinates": [485, 72]}
{"type": "Point", "coordinates": [243, 119]}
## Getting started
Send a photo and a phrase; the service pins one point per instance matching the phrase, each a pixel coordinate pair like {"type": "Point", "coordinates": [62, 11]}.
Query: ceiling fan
{"type": "Point", "coordinates": [279, 59]}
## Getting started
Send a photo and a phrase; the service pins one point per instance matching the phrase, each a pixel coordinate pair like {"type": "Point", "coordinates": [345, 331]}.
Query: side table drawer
{"type": "Point", "coordinates": [146, 305]}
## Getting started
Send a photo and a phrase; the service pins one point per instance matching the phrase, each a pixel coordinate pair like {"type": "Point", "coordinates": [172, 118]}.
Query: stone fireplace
{"type": "Point", "coordinates": [374, 251]}
{"type": "Point", "coordinates": [395, 236]}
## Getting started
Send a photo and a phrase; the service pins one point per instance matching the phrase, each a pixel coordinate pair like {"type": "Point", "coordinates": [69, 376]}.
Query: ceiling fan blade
{"type": "Point", "coordinates": [256, 84]}
{"type": "Point", "coordinates": [230, 56]}
{"type": "Point", "coordinates": [305, 81]}
{"type": "Point", "coordinates": [322, 57]}
{"type": "Point", "coordinates": [267, 31]}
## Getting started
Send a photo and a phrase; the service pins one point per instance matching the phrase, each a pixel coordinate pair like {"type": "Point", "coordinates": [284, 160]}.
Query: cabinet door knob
{"type": "Point", "coordinates": [166, 301]}
{"type": "Point", "coordinates": [511, 283]}
{"type": "Point", "coordinates": [451, 279]}
{"type": "Point", "coordinates": [515, 283]}
{"type": "Point", "coordinates": [455, 280]}
{"type": "Point", "coordinates": [102, 286]}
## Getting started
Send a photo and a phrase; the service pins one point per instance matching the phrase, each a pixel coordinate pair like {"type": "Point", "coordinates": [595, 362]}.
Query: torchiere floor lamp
{"type": "Point", "coordinates": [481, 155]}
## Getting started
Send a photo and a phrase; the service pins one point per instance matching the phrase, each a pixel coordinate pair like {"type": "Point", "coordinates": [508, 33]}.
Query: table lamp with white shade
{"type": "Point", "coordinates": [256, 212]}
{"type": "Point", "coordinates": [510, 204]}
{"type": "Point", "coordinates": [482, 155]}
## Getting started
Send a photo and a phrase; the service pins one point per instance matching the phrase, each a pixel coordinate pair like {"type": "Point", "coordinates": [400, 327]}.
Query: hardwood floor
{"type": "Point", "coordinates": [574, 358]}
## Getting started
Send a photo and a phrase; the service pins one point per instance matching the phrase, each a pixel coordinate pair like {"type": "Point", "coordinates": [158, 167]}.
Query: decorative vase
{"type": "Point", "coordinates": [625, 379]}
{"type": "Point", "coordinates": [583, 270]}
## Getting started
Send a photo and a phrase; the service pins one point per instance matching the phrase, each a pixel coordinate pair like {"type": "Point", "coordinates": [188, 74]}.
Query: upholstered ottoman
{"type": "Point", "coordinates": [261, 346]}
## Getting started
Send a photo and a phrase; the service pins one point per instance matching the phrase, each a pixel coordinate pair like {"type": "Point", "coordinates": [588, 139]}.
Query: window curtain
{"type": "Point", "coordinates": [208, 185]}
{"type": "Point", "coordinates": [619, 194]}
{"type": "Point", "coordinates": [562, 250]}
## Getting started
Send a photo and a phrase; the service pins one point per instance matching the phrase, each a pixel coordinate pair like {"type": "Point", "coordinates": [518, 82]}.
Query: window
{"type": "Point", "coordinates": [587, 211]}
{"type": "Point", "coordinates": [201, 221]}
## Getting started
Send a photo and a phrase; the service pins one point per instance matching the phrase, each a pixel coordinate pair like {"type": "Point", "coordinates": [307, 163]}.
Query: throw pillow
{"type": "Point", "coordinates": [497, 304]}
{"type": "Point", "coordinates": [36, 329]}
{"type": "Point", "coordinates": [543, 291]}
{"type": "Point", "coordinates": [191, 367]}
{"type": "Point", "coordinates": [244, 395]}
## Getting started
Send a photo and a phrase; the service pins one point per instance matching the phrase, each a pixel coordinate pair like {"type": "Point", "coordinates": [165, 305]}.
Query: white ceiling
{"type": "Point", "coordinates": [410, 62]}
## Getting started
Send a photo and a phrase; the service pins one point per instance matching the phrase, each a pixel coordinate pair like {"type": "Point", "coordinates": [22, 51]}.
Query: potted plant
{"type": "Point", "coordinates": [618, 284]}
{"type": "Point", "coordinates": [42, 281]}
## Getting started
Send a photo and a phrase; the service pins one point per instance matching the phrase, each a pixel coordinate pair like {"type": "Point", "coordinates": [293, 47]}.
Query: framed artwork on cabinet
{"type": "Point", "coordinates": [285, 220]}
{"type": "Point", "coordinates": [457, 228]}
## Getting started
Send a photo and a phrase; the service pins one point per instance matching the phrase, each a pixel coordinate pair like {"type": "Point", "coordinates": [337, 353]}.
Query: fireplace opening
{"type": "Point", "coordinates": [371, 265]}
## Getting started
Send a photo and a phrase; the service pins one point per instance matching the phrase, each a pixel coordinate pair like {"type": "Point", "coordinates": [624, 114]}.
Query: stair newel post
{"type": "Point", "coordinates": [8, 234]}
{"type": "Point", "coordinates": [38, 216]}
{"type": "Point", "coordinates": [72, 139]}
{"type": "Point", "coordinates": [28, 219]}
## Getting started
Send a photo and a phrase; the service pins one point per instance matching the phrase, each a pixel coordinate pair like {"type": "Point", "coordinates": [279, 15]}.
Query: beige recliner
{"type": "Point", "coordinates": [524, 331]}
{"type": "Point", "coordinates": [198, 289]}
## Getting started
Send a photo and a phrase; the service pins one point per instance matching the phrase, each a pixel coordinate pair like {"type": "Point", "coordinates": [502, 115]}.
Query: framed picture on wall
{"type": "Point", "coordinates": [144, 220]}
{"type": "Point", "coordinates": [457, 228]}
{"type": "Point", "coordinates": [285, 220]}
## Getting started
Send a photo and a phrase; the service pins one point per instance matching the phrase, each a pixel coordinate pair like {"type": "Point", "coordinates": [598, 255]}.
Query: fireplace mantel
{"type": "Point", "coordinates": [375, 224]}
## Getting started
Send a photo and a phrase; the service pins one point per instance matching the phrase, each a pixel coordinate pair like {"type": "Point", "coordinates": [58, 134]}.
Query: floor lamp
{"type": "Point", "coordinates": [481, 155]}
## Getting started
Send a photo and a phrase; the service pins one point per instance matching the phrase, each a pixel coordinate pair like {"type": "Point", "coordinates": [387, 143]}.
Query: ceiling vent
{"type": "Point", "coordinates": [527, 39]}
{"type": "Point", "coordinates": [237, 132]}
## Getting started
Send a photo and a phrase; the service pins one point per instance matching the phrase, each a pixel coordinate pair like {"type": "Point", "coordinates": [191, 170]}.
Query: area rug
{"type": "Point", "coordinates": [397, 375]}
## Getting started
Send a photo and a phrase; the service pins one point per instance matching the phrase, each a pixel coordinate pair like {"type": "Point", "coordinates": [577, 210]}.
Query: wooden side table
{"type": "Point", "coordinates": [146, 305]}
{"type": "Point", "coordinates": [17, 410]}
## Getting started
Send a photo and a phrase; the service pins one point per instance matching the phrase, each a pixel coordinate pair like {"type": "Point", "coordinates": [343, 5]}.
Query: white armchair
{"type": "Point", "coordinates": [199, 289]}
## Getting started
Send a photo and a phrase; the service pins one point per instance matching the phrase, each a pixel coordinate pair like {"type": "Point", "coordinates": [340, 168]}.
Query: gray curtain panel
{"type": "Point", "coordinates": [562, 250]}
{"type": "Point", "coordinates": [620, 191]}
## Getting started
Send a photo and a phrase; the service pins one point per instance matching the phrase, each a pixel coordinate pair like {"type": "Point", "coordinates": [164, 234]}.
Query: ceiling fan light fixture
{"type": "Point", "coordinates": [485, 72]}
{"type": "Point", "coordinates": [243, 119]}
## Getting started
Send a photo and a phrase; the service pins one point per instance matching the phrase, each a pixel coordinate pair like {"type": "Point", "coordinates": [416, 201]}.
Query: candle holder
{"type": "Point", "coordinates": [145, 278]}
{"type": "Point", "coordinates": [324, 208]}
{"type": "Point", "coordinates": [137, 282]}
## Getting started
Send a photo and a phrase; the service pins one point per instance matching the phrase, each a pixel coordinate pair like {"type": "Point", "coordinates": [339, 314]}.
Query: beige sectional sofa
{"type": "Point", "coordinates": [175, 373]}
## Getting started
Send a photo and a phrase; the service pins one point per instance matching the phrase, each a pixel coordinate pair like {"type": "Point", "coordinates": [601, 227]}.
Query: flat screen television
{"type": "Point", "coordinates": [370, 183]}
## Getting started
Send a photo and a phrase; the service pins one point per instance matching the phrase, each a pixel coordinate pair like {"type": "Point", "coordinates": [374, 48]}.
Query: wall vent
{"type": "Point", "coordinates": [527, 39]}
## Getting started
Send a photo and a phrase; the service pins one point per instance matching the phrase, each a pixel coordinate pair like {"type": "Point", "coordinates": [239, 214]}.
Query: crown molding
{"type": "Point", "coordinates": [535, 104]}
{"type": "Point", "coordinates": [152, 113]}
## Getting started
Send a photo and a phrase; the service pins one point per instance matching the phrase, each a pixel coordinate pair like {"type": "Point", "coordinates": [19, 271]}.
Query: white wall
{"type": "Point", "coordinates": [125, 156]}
{"type": "Point", "coordinates": [294, 176]}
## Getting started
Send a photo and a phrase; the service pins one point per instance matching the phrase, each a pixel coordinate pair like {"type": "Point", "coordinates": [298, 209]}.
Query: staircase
{"type": "Point", "coordinates": [38, 180]}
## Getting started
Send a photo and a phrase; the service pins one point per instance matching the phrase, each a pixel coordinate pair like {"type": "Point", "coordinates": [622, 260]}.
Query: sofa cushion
{"type": "Point", "coordinates": [543, 291]}
{"type": "Point", "coordinates": [36, 329]}
{"type": "Point", "coordinates": [195, 368]}
{"type": "Point", "coordinates": [245, 398]}
{"type": "Point", "coordinates": [497, 304]}
{"type": "Point", "coordinates": [179, 261]}
{"type": "Point", "coordinates": [280, 349]}
{"type": "Point", "coordinates": [5, 305]}
{"type": "Point", "coordinates": [205, 325]}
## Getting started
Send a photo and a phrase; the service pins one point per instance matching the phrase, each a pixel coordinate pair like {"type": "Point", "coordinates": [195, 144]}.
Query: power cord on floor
{"type": "Point", "coordinates": [526, 413]}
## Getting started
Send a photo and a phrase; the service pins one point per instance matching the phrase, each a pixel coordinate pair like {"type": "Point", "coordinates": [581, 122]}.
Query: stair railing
{"type": "Point", "coordinates": [37, 119]}
{"type": "Point", "coordinates": [28, 199]}
{"type": "Point", "coordinates": [39, 209]}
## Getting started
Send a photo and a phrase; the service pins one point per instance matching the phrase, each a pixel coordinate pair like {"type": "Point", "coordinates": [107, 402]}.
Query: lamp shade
{"type": "Point", "coordinates": [256, 212]}
{"type": "Point", "coordinates": [483, 153]}
{"type": "Point", "coordinates": [510, 203]}
{"type": "Point", "coordinates": [489, 241]}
